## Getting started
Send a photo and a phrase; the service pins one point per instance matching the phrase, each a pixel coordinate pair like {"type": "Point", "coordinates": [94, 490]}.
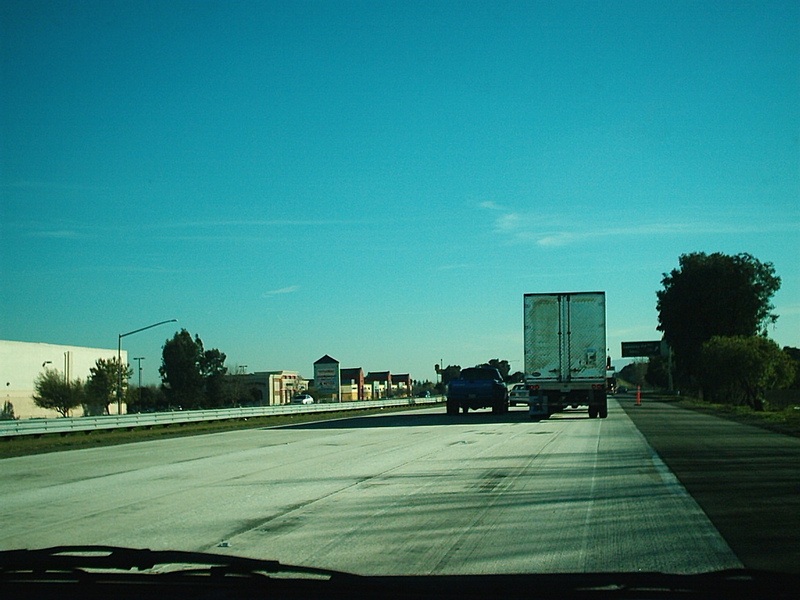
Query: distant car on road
{"type": "Point", "coordinates": [302, 399]}
{"type": "Point", "coordinates": [518, 395]}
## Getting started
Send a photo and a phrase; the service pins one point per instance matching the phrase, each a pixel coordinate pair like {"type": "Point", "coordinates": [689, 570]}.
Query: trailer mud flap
{"type": "Point", "coordinates": [537, 405]}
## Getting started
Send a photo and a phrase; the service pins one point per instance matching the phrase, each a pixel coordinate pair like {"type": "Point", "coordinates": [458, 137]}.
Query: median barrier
{"type": "Point", "coordinates": [19, 427]}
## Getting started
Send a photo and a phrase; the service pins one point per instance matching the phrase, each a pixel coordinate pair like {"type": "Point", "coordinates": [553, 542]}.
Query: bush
{"type": "Point", "coordinates": [741, 369]}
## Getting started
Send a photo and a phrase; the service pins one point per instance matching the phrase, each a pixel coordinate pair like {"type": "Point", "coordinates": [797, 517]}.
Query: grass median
{"type": "Point", "coordinates": [784, 420]}
{"type": "Point", "coordinates": [56, 442]}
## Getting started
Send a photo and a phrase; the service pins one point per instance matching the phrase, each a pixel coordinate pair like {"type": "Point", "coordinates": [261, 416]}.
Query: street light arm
{"type": "Point", "coordinates": [122, 335]}
{"type": "Point", "coordinates": [119, 359]}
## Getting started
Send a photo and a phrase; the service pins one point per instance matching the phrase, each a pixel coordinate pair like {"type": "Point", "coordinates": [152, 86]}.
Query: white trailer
{"type": "Point", "coordinates": [565, 352]}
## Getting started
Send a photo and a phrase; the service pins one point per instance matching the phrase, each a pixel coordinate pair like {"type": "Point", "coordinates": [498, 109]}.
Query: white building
{"type": "Point", "coordinates": [270, 388]}
{"type": "Point", "coordinates": [22, 362]}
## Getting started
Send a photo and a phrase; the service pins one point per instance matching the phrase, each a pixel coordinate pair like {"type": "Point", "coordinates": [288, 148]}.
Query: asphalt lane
{"type": "Point", "coordinates": [745, 478]}
{"type": "Point", "coordinates": [405, 493]}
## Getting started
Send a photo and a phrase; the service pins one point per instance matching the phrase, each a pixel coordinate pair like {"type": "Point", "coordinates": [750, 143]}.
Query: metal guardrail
{"type": "Point", "coordinates": [66, 425]}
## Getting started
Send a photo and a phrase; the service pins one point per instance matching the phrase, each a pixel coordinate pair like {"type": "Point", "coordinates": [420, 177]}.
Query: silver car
{"type": "Point", "coordinates": [518, 395]}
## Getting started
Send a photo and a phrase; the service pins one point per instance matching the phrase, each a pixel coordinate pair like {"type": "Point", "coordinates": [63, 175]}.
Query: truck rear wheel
{"type": "Point", "coordinates": [602, 410]}
{"type": "Point", "coordinates": [452, 407]}
{"type": "Point", "coordinates": [500, 409]}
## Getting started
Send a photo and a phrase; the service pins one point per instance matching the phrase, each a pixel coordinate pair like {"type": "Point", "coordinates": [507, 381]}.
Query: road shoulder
{"type": "Point", "coordinates": [745, 478]}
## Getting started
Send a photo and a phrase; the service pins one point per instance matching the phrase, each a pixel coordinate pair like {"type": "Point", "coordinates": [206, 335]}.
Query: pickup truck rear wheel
{"type": "Point", "coordinates": [452, 407]}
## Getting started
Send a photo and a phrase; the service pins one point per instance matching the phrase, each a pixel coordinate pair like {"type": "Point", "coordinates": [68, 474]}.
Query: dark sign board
{"type": "Point", "coordinates": [634, 349]}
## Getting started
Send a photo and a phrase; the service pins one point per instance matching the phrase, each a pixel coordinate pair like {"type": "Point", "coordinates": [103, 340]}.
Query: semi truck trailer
{"type": "Point", "coordinates": [565, 352]}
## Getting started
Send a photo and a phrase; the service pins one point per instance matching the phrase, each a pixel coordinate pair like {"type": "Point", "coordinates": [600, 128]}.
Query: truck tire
{"type": "Point", "coordinates": [602, 410]}
{"type": "Point", "coordinates": [593, 411]}
{"type": "Point", "coordinates": [452, 407]}
{"type": "Point", "coordinates": [500, 409]}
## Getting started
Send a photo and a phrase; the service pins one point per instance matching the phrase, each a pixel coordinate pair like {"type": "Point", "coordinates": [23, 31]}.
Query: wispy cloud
{"type": "Point", "coordinates": [217, 224]}
{"type": "Point", "coordinates": [492, 205]}
{"type": "Point", "coordinates": [550, 231]}
{"type": "Point", "coordinates": [58, 234]}
{"type": "Point", "coordinates": [50, 185]}
{"type": "Point", "coordinates": [285, 290]}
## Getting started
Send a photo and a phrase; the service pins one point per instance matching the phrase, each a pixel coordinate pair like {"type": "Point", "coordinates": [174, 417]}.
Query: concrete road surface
{"type": "Point", "coordinates": [405, 493]}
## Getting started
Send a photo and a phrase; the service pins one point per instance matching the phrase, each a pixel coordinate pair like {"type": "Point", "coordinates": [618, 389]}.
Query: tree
{"type": "Point", "coordinates": [501, 365]}
{"type": "Point", "coordinates": [423, 387]}
{"type": "Point", "coordinates": [181, 379]}
{"type": "Point", "coordinates": [7, 414]}
{"type": "Point", "coordinates": [794, 356]}
{"type": "Point", "coordinates": [54, 392]}
{"type": "Point", "coordinates": [191, 376]}
{"type": "Point", "coordinates": [101, 387]}
{"type": "Point", "coordinates": [634, 373]}
{"type": "Point", "coordinates": [658, 372]}
{"type": "Point", "coordinates": [739, 369]}
{"type": "Point", "coordinates": [213, 370]}
{"type": "Point", "coordinates": [451, 372]}
{"type": "Point", "coordinates": [516, 377]}
{"type": "Point", "coordinates": [148, 398]}
{"type": "Point", "coordinates": [711, 295]}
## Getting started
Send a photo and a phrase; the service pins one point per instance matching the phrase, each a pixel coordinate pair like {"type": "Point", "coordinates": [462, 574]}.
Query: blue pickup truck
{"type": "Point", "coordinates": [477, 387]}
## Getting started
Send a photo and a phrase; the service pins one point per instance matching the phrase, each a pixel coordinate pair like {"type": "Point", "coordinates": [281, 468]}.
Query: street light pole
{"type": "Point", "coordinates": [139, 359]}
{"type": "Point", "coordinates": [119, 358]}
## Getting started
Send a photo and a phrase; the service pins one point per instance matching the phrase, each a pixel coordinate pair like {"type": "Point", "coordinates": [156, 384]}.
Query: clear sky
{"type": "Point", "coordinates": [382, 181]}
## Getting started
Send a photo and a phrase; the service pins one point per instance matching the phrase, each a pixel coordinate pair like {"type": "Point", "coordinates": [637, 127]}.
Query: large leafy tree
{"type": "Point", "coordinates": [192, 376]}
{"type": "Point", "coordinates": [54, 392]}
{"type": "Point", "coordinates": [713, 295]}
{"type": "Point", "coordinates": [180, 373]}
{"type": "Point", "coordinates": [101, 387]}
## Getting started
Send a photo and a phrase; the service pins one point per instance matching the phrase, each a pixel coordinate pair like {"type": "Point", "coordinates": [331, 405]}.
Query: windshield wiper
{"type": "Point", "coordinates": [105, 558]}
{"type": "Point", "coordinates": [83, 572]}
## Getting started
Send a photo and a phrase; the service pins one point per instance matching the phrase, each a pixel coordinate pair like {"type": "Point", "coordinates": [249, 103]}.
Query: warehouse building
{"type": "Point", "coordinates": [22, 362]}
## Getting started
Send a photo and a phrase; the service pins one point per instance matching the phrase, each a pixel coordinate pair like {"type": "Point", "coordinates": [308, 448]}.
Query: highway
{"type": "Point", "coordinates": [405, 493]}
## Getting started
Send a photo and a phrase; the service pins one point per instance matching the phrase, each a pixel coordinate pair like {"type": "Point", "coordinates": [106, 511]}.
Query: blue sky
{"type": "Point", "coordinates": [382, 181]}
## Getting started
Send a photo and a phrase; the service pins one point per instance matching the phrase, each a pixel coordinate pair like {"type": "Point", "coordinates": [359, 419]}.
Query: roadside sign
{"type": "Point", "coordinates": [634, 349]}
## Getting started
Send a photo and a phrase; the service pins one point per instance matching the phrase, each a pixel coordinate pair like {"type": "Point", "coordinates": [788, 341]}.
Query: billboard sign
{"type": "Point", "coordinates": [637, 349]}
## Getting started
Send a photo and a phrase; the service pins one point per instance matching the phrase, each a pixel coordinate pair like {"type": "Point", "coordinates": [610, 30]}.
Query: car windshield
{"type": "Point", "coordinates": [248, 246]}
